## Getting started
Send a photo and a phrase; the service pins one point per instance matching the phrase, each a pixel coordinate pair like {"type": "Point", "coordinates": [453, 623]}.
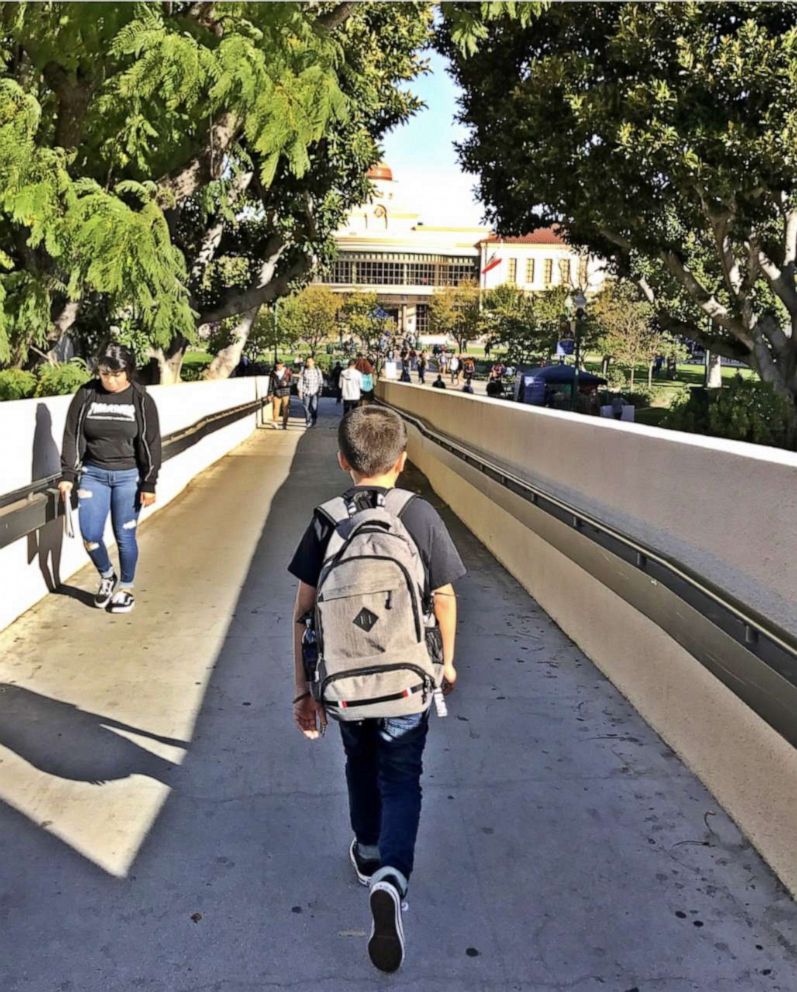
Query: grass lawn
{"type": "Point", "coordinates": [197, 358]}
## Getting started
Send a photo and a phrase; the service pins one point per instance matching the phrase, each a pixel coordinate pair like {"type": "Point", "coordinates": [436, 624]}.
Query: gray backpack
{"type": "Point", "coordinates": [369, 619]}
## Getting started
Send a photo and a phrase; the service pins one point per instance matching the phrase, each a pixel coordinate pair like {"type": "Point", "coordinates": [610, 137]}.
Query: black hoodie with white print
{"type": "Point", "coordinates": [113, 431]}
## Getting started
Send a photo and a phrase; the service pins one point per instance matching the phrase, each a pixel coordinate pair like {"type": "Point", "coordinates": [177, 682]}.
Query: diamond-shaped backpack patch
{"type": "Point", "coordinates": [365, 619]}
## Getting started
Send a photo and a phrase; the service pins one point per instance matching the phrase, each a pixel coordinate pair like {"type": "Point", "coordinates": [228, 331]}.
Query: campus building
{"type": "Point", "coordinates": [385, 248]}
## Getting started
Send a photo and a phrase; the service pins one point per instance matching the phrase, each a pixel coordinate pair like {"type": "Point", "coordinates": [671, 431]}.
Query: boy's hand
{"type": "Point", "coordinates": [449, 679]}
{"type": "Point", "coordinates": [310, 717]}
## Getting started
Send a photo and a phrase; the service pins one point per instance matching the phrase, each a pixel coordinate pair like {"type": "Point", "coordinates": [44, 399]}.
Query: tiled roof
{"type": "Point", "coordinates": [542, 236]}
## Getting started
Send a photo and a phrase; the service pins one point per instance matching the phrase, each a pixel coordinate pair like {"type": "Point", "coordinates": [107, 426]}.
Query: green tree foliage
{"type": "Point", "coordinates": [310, 316]}
{"type": "Point", "coordinates": [359, 320]}
{"type": "Point", "coordinates": [527, 325]}
{"type": "Point", "coordinates": [454, 311]}
{"type": "Point", "coordinates": [180, 163]}
{"type": "Point", "coordinates": [660, 136]}
{"type": "Point", "coordinates": [744, 410]}
{"type": "Point", "coordinates": [626, 321]}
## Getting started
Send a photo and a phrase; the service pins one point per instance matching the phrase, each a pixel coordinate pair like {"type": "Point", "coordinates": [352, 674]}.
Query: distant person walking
{"type": "Point", "coordinates": [351, 386]}
{"type": "Point", "coordinates": [469, 369]}
{"type": "Point", "coordinates": [422, 368]}
{"type": "Point", "coordinates": [366, 370]}
{"type": "Point", "coordinates": [279, 389]}
{"type": "Point", "coordinates": [334, 376]}
{"type": "Point", "coordinates": [310, 385]}
{"type": "Point", "coordinates": [112, 451]}
{"type": "Point", "coordinates": [438, 383]}
{"type": "Point", "coordinates": [454, 366]}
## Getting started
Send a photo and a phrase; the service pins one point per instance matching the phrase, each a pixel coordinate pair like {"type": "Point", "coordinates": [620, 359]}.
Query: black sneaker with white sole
{"type": "Point", "coordinates": [364, 868]}
{"type": "Point", "coordinates": [105, 591]}
{"type": "Point", "coordinates": [123, 601]}
{"type": "Point", "coordinates": [386, 944]}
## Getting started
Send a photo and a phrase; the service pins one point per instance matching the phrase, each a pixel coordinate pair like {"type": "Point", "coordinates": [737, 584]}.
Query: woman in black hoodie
{"type": "Point", "coordinates": [112, 450]}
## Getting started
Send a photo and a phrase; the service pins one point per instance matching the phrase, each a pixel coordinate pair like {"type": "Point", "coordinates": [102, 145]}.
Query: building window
{"type": "Point", "coordinates": [420, 273]}
{"type": "Point", "coordinates": [564, 271]}
{"type": "Point", "coordinates": [547, 273]}
{"type": "Point", "coordinates": [511, 271]}
{"type": "Point", "coordinates": [582, 271]}
{"type": "Point", "coordinates": [529, 271]}
{"type": "Point", "coordinates": [421, 318]}
{"type": "Point", "coordinates": [341, 271]}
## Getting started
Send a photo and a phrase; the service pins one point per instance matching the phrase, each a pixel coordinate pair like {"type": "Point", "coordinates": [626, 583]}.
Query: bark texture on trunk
{"type": "Point", "coordinates": [170, 361]}
{"type": "Point", "coordinates": [713, 370]}
{"type": "Point", "coordinates": [228, 358]}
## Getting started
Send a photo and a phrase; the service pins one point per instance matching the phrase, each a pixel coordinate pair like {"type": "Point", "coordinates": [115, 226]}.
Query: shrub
{"type": "Point", "coordinates": [747, 410]}
{"type": "Point", "coordinates": [639, 396]}
{"type": "Point", "coordinates": [61, 380]}
{"type": "Point", "coordinates": [194, 372]}
{"type": "Point", "coordinates": [16, 384]}
{"type": "Point", "coordinates": [744, 410]}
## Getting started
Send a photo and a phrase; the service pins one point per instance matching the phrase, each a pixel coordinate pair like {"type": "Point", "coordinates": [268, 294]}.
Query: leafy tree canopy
{"type": "Point", "coordinates": [310, 316]}
{"type": "Point", "coordinates": [183, 162]}
{"type": "Point", "coordinates": [661, 136]}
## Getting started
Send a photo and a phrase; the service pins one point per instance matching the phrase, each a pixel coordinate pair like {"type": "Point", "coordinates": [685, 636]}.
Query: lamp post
{"type": "Point", "coordinates": [576, 304]}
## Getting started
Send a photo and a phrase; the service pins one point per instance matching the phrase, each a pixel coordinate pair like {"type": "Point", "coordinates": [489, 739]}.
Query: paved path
{"type": "Point", "coordinates": [165, 829]}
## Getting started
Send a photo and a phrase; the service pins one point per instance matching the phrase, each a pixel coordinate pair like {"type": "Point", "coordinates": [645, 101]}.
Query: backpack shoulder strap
{"type": "Point", "coordinates": [335, 510]}
{"type": "Point", "coordinates": [397, 501]}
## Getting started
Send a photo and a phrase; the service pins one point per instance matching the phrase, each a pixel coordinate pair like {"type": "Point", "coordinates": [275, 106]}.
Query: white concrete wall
{"type": "Point", "coordinates": [725, 508]}
{"type": "Point", "coordinates": [30, 443]}
{"type": "Point", "coordinates": [730, 506]}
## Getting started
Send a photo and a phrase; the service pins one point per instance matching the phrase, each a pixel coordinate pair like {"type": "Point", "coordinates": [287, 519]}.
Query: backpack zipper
{"type": "Point", "coordinates": [407, 577]}
{"type": "Point", "coordinates": [377, 670]}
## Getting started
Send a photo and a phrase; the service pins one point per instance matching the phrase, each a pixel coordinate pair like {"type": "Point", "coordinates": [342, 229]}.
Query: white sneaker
{"type": "Point", "coordinates": [123, 601]}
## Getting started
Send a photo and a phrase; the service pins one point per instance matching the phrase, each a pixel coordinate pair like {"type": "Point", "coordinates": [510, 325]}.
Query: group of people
{"type": "Point", "coordinates": [112, 453]}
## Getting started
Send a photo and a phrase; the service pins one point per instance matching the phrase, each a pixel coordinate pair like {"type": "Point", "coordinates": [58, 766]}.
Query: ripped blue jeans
{"type": "Point", "coordinates": [384, 762]}
{"type": "Point", "coordinates": [101, 491]}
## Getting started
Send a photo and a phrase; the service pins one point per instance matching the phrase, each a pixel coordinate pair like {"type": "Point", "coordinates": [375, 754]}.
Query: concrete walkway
{"type": "Point", "coordinates": [165, 829]}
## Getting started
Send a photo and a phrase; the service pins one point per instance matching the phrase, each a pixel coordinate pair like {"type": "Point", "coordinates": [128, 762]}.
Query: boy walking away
{"type": "Point", "coordinates": [310, 384]}
{"type": "Point", "coordinates": [350, 386]}
{"type": "Point", "coordinates": [376, 616]}
{"type": "Point", "coordinates": [279, 389]}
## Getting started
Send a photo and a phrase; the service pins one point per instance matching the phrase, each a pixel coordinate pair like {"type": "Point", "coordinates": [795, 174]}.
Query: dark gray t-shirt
{"type": "Point", "coordinates": [440, 557]}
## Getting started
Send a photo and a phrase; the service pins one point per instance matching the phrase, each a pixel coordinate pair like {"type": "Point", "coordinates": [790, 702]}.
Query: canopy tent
{"type": "Point", "coordinates": [533, 385]}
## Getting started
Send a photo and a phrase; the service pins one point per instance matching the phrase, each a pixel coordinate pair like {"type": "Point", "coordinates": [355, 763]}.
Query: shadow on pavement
{"type": "Point", "coordinates": [64, 740]}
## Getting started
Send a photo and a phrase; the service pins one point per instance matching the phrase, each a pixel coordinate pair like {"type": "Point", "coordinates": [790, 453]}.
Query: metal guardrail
{"type": "Point", "coordinates": [756, 658]}
{"type": "Point", "coordinates": [25, 510]}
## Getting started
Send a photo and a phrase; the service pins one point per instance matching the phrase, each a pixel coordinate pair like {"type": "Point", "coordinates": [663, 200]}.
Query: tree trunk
{"type": "Point", "coordinates": [228, 358]}
{"type": "Point", "coordinates": [650, 376]}
{"type": "Point", "coordinates": [633, 373]}
{"type": "Point", "coordinates": [170, 361]}
{"type": "Point", "coordinates": [713, 370]}
{"type": "Point", "coordinates": [605, 365]}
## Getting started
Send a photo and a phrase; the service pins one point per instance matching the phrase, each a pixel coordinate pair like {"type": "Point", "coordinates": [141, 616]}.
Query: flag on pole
{"type": "Point", "coordinates": [492, 262]}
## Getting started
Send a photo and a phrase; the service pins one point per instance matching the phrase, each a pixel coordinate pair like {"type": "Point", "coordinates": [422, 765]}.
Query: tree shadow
{"type": "Point", "coordinates": [46, 543]}
{"type": "Point", "coordinates": [63, 740]}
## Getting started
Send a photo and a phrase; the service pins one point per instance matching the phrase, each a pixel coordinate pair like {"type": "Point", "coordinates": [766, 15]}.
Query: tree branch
{"type": "Point", "coordinates": [212, 237]}
{"type": "Point", "coordinates": [205, 166]}
{"type": "Point", "coordinates": [335, 17]}
{"type": "Point", "coordinates": [780, 282]}
{"type": "Point", "coordinates": [265, 288]}
{"type": "Point", "coordinates": [74, 96]}
{"type": "Point", "coordinates": [705, 300]}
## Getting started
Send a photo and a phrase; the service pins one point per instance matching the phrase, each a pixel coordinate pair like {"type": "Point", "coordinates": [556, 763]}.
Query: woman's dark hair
{"type": "Point", "coordinates": [117, 358]}
{"type": "Point", "coordinates": [371, 438]}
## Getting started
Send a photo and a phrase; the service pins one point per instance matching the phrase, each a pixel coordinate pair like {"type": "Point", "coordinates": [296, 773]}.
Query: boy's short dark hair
{"type": "Point", "coordinates": [371, 438]}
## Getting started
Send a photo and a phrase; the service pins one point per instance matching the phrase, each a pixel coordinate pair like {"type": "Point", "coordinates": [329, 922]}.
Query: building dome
{"type": "Point", "coordinates": [381, 171]}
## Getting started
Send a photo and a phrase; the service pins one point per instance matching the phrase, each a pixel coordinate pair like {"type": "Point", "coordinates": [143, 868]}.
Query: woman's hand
{"type": "Point", "coordinates": [147, 499]}
{"type": "Point", "coordinates": [310, 717]}
{"type": "Point", "coordinates": [65, 488]}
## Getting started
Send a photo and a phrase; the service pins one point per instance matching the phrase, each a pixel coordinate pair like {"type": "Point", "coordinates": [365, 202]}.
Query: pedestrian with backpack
{"type": "Point", "coordinates": [375, 624]}
{"type": "Point", "coordinates": [351, 387]}
{"type": "Point", "coordinates": [279, 392]}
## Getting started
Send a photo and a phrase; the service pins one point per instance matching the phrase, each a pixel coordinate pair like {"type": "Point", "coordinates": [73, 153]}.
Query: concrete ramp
{"type": "Point", "coordinates": [164, 828]}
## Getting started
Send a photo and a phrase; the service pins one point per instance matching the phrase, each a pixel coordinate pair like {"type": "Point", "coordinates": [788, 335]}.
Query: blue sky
{"type": "Point", "coordinates": [422, 157]}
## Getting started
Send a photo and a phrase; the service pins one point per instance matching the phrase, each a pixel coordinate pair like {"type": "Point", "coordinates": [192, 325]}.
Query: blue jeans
{"type": "Point", "coordinates": [101, 490]}
{"type": "Point", "coordinates": [310, 408]}
{"type": "Point", "coordinates": [383, 773]}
